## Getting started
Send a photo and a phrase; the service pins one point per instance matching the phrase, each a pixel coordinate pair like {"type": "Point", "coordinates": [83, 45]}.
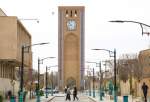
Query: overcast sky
{"type": "Point", "coordinates": [99, 33]}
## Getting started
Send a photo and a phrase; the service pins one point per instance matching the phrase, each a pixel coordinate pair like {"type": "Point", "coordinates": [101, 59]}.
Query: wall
{"type": "Point", "coordinates": [12, 36]}
{"type": "Point", "coordinates": [144, 58]}
{"type": "Point", "coordinates": [8, 38]}
{"type": "Point", "coordinates": [24, 38]}
{"type": "Point", "coordinates": [6, 86]}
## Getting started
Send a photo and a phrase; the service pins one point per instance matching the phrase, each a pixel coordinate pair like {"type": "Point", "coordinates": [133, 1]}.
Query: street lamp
{"type": "Point", "coordinates": [89, 82]}
{"type": "Point", "coordinates": [51, 81]}
{"type": "Point", "coordinates": [141, 24]}
{"type": "Point", "coordinates": [93, 84]}
{"type": "Point", "coordinates": [35, 19]}
{"type": "Point", "coordinates": [22, 68]}
{"type": "Point", "coordinates": [89, 78]}
{"type": "Point", "coordinates": [114, 56]}
{"type": "Point", "coordinates": [40, 61]}
{"type": "Point", "coordinates": [93, 80]}
{"type": "Point", "coordinates": [100, 82]}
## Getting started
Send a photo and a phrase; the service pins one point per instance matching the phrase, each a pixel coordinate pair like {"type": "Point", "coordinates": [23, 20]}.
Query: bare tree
{"type": "Point", "coordinates": [131, 62]}
{"type": "Point", "coordinates": [53, 79]}
{"type": "Point", "coordinates": [123, 70]}
{"type": "Point", "coordinates": [129, 68]}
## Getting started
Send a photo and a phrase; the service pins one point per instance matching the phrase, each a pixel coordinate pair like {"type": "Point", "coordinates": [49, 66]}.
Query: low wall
{"type": "Point", "coordinates": [6, 85]}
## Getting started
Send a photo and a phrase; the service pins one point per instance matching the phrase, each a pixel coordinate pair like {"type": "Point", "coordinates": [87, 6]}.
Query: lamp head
{"type": "Point", "coordinates": [43, 43]}
{"type": "Point", "coordinates": [96, 49]}
{"type": "Point", "coordinates": [117, 21]}
{"type": "Point", "coordinates": [90, 62]}
{"type": "Point", "coordinates": [51, 57]}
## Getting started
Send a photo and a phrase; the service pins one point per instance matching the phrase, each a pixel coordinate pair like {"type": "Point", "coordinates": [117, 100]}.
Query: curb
{"type": "Point", "coordinates": [51, 99]}
{"type": "Point", "coordinates": [91, 98]}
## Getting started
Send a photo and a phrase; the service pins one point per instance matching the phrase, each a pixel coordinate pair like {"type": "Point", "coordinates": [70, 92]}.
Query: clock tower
{"type": "Point", "coordinates": [71, 46]}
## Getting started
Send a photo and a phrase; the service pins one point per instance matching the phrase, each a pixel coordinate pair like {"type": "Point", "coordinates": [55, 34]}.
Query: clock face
{"type": "Point", "coordinates": [71, 24]}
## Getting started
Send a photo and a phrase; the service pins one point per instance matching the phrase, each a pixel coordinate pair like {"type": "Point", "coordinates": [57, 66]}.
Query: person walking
{"type": "Point", "coordinates": [65, 90]}
{"type": "Point", "coordinates": [145, 89]}
{"type": "Point", "coordinates": [9, 94]}
{"type": "Point", "coordinates": [75, 94]}
{"type": "Point", "coordinates": [68, 94]}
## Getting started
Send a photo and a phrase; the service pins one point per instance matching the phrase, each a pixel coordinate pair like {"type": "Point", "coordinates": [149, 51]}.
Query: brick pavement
{"type": "Point", "coordinates": [83, 98]}
{"type": "Point", "coordinates": [119, 99]}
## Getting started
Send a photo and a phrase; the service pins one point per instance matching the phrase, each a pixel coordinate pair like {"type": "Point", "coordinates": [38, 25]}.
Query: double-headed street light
{"type": "Point", "coordinates": [22, 68]}
{"type": "Point", "coordinates": [89, 79]}
{"type": "Point", "coordinates": [40, 61]}
{"type": "Point", "coordinates": [126, 21]}
{"type": "Point", "coordinates": [100, 82]}
{"type": "Point", "coordinates": [51, 81]}
{"type": "Point", "coordinates": [114, 56]}
{"type": "Point", "coordinates": [141, 24]}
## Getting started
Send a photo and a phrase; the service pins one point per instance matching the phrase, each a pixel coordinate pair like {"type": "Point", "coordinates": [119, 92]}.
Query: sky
{"type": "Point", "coordinates": [126, 38]}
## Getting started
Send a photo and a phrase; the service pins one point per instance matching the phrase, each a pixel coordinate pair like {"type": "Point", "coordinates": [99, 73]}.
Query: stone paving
{"type": "Point", "coordinates": [81, 99]}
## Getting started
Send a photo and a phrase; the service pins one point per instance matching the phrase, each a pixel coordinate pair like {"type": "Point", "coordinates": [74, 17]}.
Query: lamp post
{"type": "Point", "coordinates": [93, 84]}
{"type": "Point", "coordinates": [100, 82]}
{"type": "Point", "coordinates": [46, 83]}
{"type": "Point", "coordinates": [51, 81]}
{"type": "Point", "coordinates": [141, 24]}
{"type": "Point", "coordinates": [89, 81]}
{"type": "Point", "coordinates": [114, 56]}
{"type": "Point", "coordinates": [105, 73]}
{"type": "Point", "coordinates": [22, 69]}
{"type": "Point", "coordinates": [89, 78]}
{"type": "Point", "coordinates": [40, 61]}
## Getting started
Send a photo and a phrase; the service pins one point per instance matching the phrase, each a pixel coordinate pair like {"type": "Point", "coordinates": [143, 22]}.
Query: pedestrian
{"type": "Point", "coordinates": [145, 89]}
{"type": "Point", "coordinates": [65, 90]}
{"type": "Point", "coordinates": [75, 94]}
{"type": "Point", "coordinates": [9, 94]}
{"type": "Point", "coordinates": [68, 94]}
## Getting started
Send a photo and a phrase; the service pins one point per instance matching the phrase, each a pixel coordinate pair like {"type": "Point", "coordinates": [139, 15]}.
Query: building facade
{"type": "Point", "coordinates": [144, 58]}
{"type": "Point", "coordinates": [71, 46]}
{"type": "Point", "coordinates": [12, 36]}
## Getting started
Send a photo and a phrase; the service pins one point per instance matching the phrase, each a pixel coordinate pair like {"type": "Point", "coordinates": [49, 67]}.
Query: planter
{"type": "Point", "coordinates": [125, 98]}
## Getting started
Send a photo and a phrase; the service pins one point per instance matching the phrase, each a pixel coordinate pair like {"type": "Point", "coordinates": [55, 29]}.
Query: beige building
{"type": "Point", "coordinates": [71, 46]}
{"type": "Point", "coordinates": [144, 58]}
{"type": "Point", "coordinates": [12, 36]}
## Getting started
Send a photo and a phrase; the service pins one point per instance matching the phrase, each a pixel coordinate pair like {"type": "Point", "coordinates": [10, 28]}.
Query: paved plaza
{"type": "Point", "coordinates": [85, 98]}
{"type": "Point", "coordinates": [81, 99]}
{"type": "Point", "coordinates": [60, 97]}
